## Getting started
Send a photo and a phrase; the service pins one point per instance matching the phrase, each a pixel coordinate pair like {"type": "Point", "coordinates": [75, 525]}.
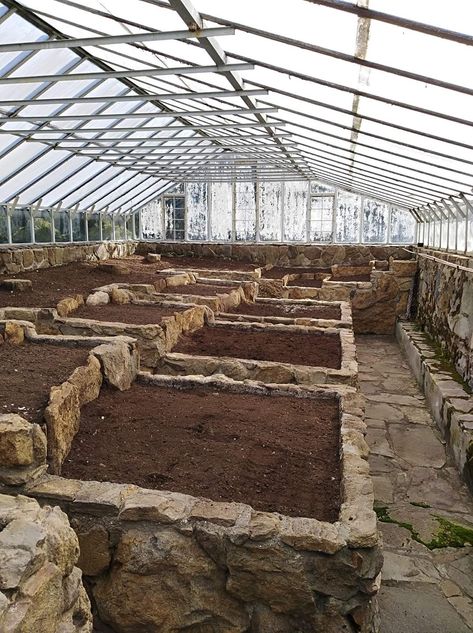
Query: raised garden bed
{"type": "Point", "coordinates": [277, 454]}
{"type": "Point", "coordinates": [278, 272]}
{"type": "Point", "coordinates": [209, 263]}
{"type": "Point", "coordinates": [266, 352]}
{"type": "Point", "coordinates": [290, 310]}
{"type": "Point", "coordinates": [138, 314]}
{"type": "Point", "coordinates": [201, 290]}
{"type": "Point", "coordinates": [51, 285]}
{"type": "Point", "coordinates": [305, 282]}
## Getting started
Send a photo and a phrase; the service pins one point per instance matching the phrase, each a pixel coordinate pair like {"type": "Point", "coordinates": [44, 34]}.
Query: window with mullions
{"type": "Point", "coordinates": [174, 217]}
{"type": "Point", "coordinates": [321, 218]}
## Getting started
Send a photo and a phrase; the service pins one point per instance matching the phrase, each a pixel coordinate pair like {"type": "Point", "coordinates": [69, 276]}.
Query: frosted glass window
{"type": "Point", "coordinates": [461, 235]}
{"type": "Point", "coordinates": [320, 188]}
{"type": "Point", "coordinates": [43, 226]}
{"type": "Point", "coordinates": [270, 209]}
{"type": "Point", "coordinates": [3, 226]}
{"type": "Point", "coordinates": [321, 218]}
{"type": "Point", "coordinates": [444, 237]}
{"type": "Point", "coordinates": [452, 235]}
{"type": "Point", "coordinates": [136, 225]}
{"type": "Point", "coordinates": [128, 228]}
{"type": "Point", "coordinates": [295, 210]}
{"type": "Point", "coordinates": [61, 226]}
{"type": "Point", "coordinates": [375, 221]}
{"type": "Point", "coordinates": [245, 211]}
{"type": "Point", "coordinates": [348, 217]}
{"type": "Point", "coordinates": [79, 227]}
{"type": "Point", "coordinates": [403, 227]}
{"type": "Point", "coordinates": [197, 208]}
{"type": "Point", "coordinates": [119, 227]}
{"type": "Point", "coordinates": [221, 214]}
{"type": "Point", "coordinates": [93, 222]}
{"type": "Point", "coordinates": [469, 245]}
{"type": "Point", "coordinates": [107, 227]}
{"type": "Point", "coordinates": [174, 217]}
{"type": "Point", "coordinates": [21, 226]}
{"type": "Point", "coordinates": [152, 220]}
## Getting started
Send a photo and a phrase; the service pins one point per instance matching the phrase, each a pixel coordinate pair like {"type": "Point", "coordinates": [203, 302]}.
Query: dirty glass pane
{"type": "Point", "coordinates": [197, 210]}
{"type": "Point", "coordinates": [403, 227]}
{"type": "Point", "coordinates": [61, 227]}
{"type": "Point", "coordinates": [128, 227]}
{"type": "Point", "coordinates": [295, 210]}
{"type": "Point", "coordinates": [43, 226]}
{"type": "Point", "coordinates": [93, 222]}
{"type": "Point", "coordinates": [152, 220]}
{"type": "Point", "coordinates": [79, 227]}
{"type": "Point", "coordinates": [320, 187]}
{"type": "Point", "coordinates": [270, 208]}
{"type": "Point", "coordinates": [107, 227]}
{"type": "Point", "coordinates": [136, 225]}
{"type": "Point", "coordinates": [21, 226]}
{"type": "Point", "coordinates": [348, 217]}
{"type": "Point", "coordinates": [174, 217]}
{"type": "Point", "coordinates": [375, 221]}
{"type": "Point", "coordinates": [3, 225]}
{"type": "Point", "coordinates": [221, 213]}
{"type": "Point", "coordinates": [321, 218]}
{"type": "Point", "coordinates": [245, 211]}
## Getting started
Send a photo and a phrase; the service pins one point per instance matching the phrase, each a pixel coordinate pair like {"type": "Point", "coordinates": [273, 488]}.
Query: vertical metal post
{"type": "Point", "coordinates": [308, 214]}
{"type": "Point", "coordinates": [334, 215]}
{"type": "Point", "coordinates": [283, 208]}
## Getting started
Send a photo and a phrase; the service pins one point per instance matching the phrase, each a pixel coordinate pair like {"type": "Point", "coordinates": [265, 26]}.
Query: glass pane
{"type": "Point", "coordinates": [375, 221]}
{"type": "Point", "coordinates": [43, 226]}
{"type": "Point", "coordinates": [245, 211]}
{"type": "Point", "coordinates": [320, 188]}
{"type": "Point", "coordinates": [61, 226]}
{"type": "Point", "coordinates": [221, 214]}
{"type": "Point", "coordinates": [197, 211]}
{"type": "Point", "coordinates": [107, 228]}
{"type": "Point", "coordinates": [21, 226]}
{"type": "Point", "coordinates": [295, 210]}
{"type": "Point", "coordinates": [136, 227]}
{"type": "Point", "coordinates": [403, 227]}
{"type": "Point", "coordinates": [348, 217]}
{"type": "Point", "coordinates": [79, 227]}
{"type": "Point", "coordinates": [321, 218]}
{"type": "Point", "coordinates": [119, 227]}
{"type": "Point", "coordinates": [3, 225]}
{"type": "Point", "coordinates": [93, 222]}
{"type": "Point", "coordinates": [270, 208]}
{"type": "Point", "coordinates": [152, 220]}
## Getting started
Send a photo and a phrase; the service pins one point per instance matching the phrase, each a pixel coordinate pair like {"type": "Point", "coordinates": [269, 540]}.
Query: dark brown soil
{"type": "Point", "coordinates": [27, 373]}
{"type": "Point", "coordinates": [209, 263]}
{"type": "Point", "coordinates": [126, 313]}
{"type": "Point", "coordinates": [306, 283]}
{"type": "Point", "coordinates": [279, 271]}
{"type": "Point", "coordinates": [53, 284]}
{"type": "Point", "coordinates": [352, 278]}
{"type": "Point", "coordinates": [204, 290]}
{"type": "Point", "coordinates": [288, 310]}
{"type": "Point", "coordinates": [275, 453]}
{"type": "Point", "coordinates": [316, 349]}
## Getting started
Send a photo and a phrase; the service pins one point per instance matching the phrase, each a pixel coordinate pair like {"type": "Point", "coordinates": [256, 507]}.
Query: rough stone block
{"type": "Point", "coordinates": [16, 285]}
{"type": "Point", "coordinates": [119, 362]}
{"type": "Point", "coordinates": [62, 417]}
{"type": "Point", "coordinates": [22, 450]}
{"type": "Point", "coordinates": [98, 298]}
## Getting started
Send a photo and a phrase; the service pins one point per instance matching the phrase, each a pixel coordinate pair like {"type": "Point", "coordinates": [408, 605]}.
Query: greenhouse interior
{"type": "Point", "coordinates": [236, 316]}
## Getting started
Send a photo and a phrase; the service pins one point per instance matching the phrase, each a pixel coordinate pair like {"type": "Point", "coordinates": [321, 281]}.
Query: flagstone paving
{"type": "Point", "coordinates": [425, 511]}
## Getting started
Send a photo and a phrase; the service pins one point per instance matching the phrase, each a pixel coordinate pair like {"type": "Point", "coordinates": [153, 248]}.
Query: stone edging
{"type": "Point", "coordinates": [449, 402]}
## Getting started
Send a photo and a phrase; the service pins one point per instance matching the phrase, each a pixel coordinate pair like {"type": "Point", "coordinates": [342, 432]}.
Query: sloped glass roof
{"type": "Point", "coordinates": [375, 97]}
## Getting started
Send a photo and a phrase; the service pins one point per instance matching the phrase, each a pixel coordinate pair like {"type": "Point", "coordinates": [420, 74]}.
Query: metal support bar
{"type": "Point", "coordinates": [212, 126]}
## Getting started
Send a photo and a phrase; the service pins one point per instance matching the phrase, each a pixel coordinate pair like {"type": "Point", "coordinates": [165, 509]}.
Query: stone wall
{"type": "Point", "coordinates": [321, 256]}
{"type": "Point", "coordinates": [16, 259]}
{"type": "Point", "coordinates": [445, 308]}
{"type": "Point", "coordinates": [41, 588]}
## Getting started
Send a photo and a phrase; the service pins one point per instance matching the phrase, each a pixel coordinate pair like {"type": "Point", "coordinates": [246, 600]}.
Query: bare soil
{"type": "Point", "coordinates": [27, 373]}
{"type": "Point", "coordinates": [306, 283]}
{"type": "Point", "coordinates": [291, 310]}
{"type": "Point", "coordinates": [50, 285]}
{"type": "Point", "coordinates": [209, 263]}
{"type": "Point", "coordinates": [278, 272]}
{"type": "Point", "coordinates": [204, 290]}
{"type": "Point", "coordinates": [126, 313]}
{"type": "Point", "coordinates": [316, 349]}
{"type": "Point", "coordinates": [275, 453]}
{"type": "Point", "coordinates": [352, 278]}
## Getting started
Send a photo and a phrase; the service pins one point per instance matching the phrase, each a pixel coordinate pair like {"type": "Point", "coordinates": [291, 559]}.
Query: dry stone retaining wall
{"type": "Point", "coordinates": [18, 259]}
{"type": "Point", "coordinates": [445, 307]}
{"type": "Point", "coordinates": [41, 588]}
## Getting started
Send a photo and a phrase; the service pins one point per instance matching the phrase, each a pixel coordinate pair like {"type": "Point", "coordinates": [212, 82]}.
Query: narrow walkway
{"type": "Point", "coordinates": [419, 497]}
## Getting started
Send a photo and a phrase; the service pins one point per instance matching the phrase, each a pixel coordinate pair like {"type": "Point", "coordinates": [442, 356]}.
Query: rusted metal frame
{"type": "Point", "coordinates": [395, 20]}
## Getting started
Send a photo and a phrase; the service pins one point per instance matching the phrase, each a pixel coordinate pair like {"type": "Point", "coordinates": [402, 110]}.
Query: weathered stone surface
{"type": "Point", "coordinates": [119, 362]}
{"type": "Point", "coordinates": [152, 258]}
{"type": "Point", "coordinates": [120, 296]}
{"type": "Point", "coordinates": [62, 417]}
{"type": "Point", "coordinates": [69, 304]}
{"type": "Point", "coordinates": [87, 380]}
{"type": "Point", "coordinates": [98, 298]}
{"type": "Point", "coordinates": [95, 553]}
{"type": "Point", "coordinates": [16, 285]}
{"type": "Point", "coordinates": [22, 450]}
{"type": "Point", "coordinates": [38, 552]}
{"type": "Point", "coordinates": [14, 333]}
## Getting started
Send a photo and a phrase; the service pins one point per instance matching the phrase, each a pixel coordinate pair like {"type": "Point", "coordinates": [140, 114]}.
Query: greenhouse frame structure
{"type": "Point", "coordinates": [104, 117]}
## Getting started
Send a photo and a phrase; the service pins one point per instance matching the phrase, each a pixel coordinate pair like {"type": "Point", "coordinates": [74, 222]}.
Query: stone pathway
{"type": "Point", "coordinates": [420, 500]}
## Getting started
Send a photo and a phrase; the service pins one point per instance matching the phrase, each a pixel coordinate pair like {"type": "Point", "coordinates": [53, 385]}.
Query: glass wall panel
{"type": "Point", "coordinates": [119, 226]}
{"type": "Point", "coordinates": [348, 217]}
{"type": "Point", "coordinates": [152, 220]}
{"type": "Point", "coordinates": [129, 227]}
{"type": "Point", "coordinates": [61, 226]}
{"type": "Point", "coordinates": [295, 211]}
{"type": "Point", "coordinates": [197, 208]}
{"type": "Point", "coordinates": [245, 211]}
{"type": "Point", "coordinates": [136, 225]}
{"type": "Point", "coordinates": [321, 218]}
{"type": "Point", "coordinates": [43, 226]}
{"type": "Point", "coordinates": [375, 221]}
{"type": "Point", "coordinates": [444, 237]}
{"type": "Point", "coordinates": [403, 227]}
{"type": "Point", "coordinates": [3, 225]}
{"type": "Point", "coordinates": [107, 227]}
{"type": "Point", "coordinates": [174, 217]}
{"type": "Point", "coordinates": [469, 244]}
{"type": "Point", "coordinates": [93, 222]}
{"type": "Point", "coordinates": [221, 220]}
{"type": "Point", "coordinates": [21, 226]}
{"type": "Point", "coordinates": [79, 227]}
{"type": "Point", "coordinates": [270, 209]}
{"type": "Point", "coordinates": [452, 235]}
